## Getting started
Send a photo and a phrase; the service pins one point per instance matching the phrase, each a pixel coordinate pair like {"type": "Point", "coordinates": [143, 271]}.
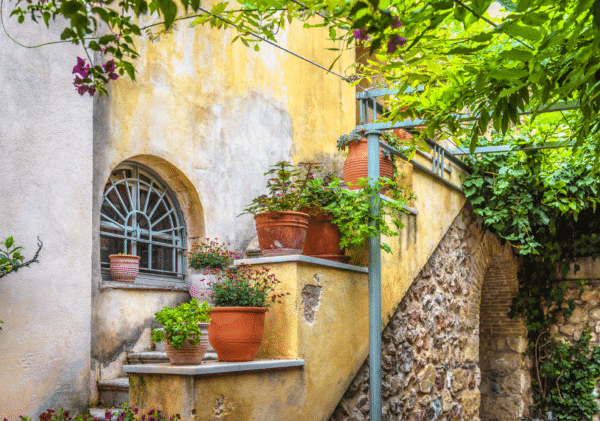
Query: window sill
{"type": "Point", "coordinates": [136, 286]}
{"type": "Point", "coordinates": [211, 367]}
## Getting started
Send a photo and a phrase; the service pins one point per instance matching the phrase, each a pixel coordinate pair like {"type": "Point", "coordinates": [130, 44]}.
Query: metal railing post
{"type": "Point", "coordinates": [375, 405]}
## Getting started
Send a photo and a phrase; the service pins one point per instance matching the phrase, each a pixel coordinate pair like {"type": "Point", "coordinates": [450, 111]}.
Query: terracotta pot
{"type": "Point", "coordinates": [356, 164]}
{"type": "Point", "coordinates": [124, 267]}
{"type": "Point", "coordinates": [322, 237]}
{"type": "Point", "coordinates": [236, 333]}
{"type": "Point", "coordinates": [281, 233]}
{"type": "Point", "coordinates": [189, 354]}
{"type": "Point", "coordinates": [199, 283]}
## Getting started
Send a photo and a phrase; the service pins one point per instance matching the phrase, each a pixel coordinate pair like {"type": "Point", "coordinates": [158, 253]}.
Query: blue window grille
{"type": "Point", "coordinates": [140, 216]}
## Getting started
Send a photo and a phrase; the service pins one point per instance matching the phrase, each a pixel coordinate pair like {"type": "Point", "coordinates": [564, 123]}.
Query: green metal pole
{"type": "Point", "coordinates": [375, 404]}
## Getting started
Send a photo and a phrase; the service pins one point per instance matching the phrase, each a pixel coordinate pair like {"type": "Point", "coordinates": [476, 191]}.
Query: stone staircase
{"type": "Point", "coordinates": [114, 392]}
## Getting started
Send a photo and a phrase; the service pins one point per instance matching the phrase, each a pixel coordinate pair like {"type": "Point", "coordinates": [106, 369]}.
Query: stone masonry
{"type": "Point", "coordinates": [431, 346]}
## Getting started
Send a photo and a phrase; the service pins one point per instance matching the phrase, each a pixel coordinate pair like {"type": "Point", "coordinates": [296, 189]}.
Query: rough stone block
{"type": "Point", "coordinates": [579, 315]}
{"type": "Point", "coordinates": [459, 379]}
{"type": "Point", "coordinates": [516, 344]}
{"type": "Point", "coordinates": [471, 350]}
{"type": "Point", "coordinates": [470, 402]}
{"type": "Point", "coordinates": [427, 379]}
{"type": "Point", "coordinates": [567, 330]}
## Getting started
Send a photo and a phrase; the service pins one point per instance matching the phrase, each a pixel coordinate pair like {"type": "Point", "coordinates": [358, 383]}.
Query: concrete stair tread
{"type": "Point", "coordinates": [158, 357]}
{"type": "Point", "coordinates": [113, 384]}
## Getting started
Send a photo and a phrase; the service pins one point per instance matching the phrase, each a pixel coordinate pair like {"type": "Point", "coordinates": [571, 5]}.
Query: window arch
{"type": "Point", "coordinates": [140, 216]}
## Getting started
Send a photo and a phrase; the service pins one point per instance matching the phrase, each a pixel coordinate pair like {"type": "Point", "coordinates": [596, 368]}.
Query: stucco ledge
{"type": "Point", "coordinates": [211, 367]}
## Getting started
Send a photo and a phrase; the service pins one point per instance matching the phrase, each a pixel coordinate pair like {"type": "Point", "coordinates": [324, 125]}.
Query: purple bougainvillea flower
{"type": "Point", "coordinates": [109, 66]}
{"type": "Point", "coordinates": [92, 90]}
{"type": "Point", "coordinates": [394, 42]}
{"type": "Point", "coordinates": [82, 89]}
{"type": "Point", "coordinates": [360, 35]}
{"type": "Point", "coordinates": [81, 67]}
{"type": "Point", "coordinates": [113, 76]}
{"type": "Point", "coordinates": [397, 23]}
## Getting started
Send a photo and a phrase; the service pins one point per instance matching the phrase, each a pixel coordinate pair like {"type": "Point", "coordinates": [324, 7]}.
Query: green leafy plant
{"type": "Point", "coordinates": [568, 378]}
{"type": "Point", "coordinates": [543, 203]}
{"type": "Point", "coordinates": [180, 324]}
{"type": "Point", "coordinates": [286, 188]}
{"type": "Point", "coordinates": [210, 255]}
{"type": "Point", "coordinates": [245, 286]}
{"type": "Point", "coordinates": [352, 213]}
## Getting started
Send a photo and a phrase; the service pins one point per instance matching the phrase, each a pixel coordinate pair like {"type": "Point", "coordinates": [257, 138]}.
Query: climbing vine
{"type": "Point", "coordinates": [543, 203]}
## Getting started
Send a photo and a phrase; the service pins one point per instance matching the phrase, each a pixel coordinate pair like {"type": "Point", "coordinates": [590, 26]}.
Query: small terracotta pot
{"type": "Point", "coordinates": [189, 354]}
{"type": "Point", "coordinates": [200, 283]}
{"type": "Point", "coordinates": [236, 333]}
{"type": "Point", "coordinates": [124, 267]}
{"type": "Point", "coordinates": [281, 233]}
{"type": "Point", "coordinates": [356, 164]}
{"type": "Point", "coordinates": [322, 237]}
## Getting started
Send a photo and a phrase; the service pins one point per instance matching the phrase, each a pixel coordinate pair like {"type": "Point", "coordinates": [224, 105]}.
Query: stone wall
{"type": "Point", "coordinates": [431, 345]}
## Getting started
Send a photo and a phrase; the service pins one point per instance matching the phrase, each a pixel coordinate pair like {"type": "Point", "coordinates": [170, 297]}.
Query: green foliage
{"type": "Point", "coordinates": [247, 287]}
{"type": "Point", "coordinates": [543, 203]}
{"type": "Point", "coordinates": [572, 373]}
{"type": "Point", "coordinates": [528, 56]}
{"type": "Point", "coordinates": [180, 324]}
{"type": "Point", "coordinates": [351, 212]}
{"type": "Point", "coordinates": [210, 254]}
{"type": "Point", "coordinates": [10, 257]}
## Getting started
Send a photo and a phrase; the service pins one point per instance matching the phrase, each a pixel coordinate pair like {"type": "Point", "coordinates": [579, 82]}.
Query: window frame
{"type": "Point", "coordinates": [131, 228]}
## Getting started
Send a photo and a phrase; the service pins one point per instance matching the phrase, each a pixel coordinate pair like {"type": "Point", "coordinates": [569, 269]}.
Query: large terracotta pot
{"type": "Point", "coordinates": [124, 267]}
{"type": "Point", "coordinates": [189, 354]}
{"type": "Point", "coordinates": [200, 283]}
{"type": "Point", "coordinates": [322, 237]}
{"type": "Point", "coordinates": [236, 333]}
{"type": "Point", "coordinates": [356, 164]}
{"type": "Point", "coordinates": [281, 233]}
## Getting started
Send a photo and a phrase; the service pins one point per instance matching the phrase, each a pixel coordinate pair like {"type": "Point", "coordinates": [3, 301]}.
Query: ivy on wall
{"type": "Point", "coordinates": [543, 203]}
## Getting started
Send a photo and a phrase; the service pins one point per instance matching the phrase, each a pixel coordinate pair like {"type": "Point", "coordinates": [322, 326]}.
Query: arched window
{"type": "Point", "coordinates": [140, 216]}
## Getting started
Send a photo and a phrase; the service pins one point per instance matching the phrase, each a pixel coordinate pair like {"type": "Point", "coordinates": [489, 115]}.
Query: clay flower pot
{"type": "Point", "coordinates": [281, 233]}
{"type": "Point", "coordinates": [199, 283]}
{"type": "Point", "coordinates": [124, 267]}
{"type": "Point", "coordinates": [356, 164]}
{"type": "Point", "coordinates": [236, 333]}
{"type": "Point", "coordinates": [322, 237]}
{"type": "Point", "coordinates": [189, 354]}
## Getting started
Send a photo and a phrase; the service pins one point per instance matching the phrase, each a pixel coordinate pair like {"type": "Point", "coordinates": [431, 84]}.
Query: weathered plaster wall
{"type": "Point", "coordinates": [210, 118]}
{"type": "Point", "coordinates": [45, 191]}
{"type": "Point", "coordinates": [431, 344]}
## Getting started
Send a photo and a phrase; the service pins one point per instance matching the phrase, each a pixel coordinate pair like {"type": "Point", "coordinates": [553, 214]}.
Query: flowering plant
{"type": "Point", "coordinates": [210, 254]}
{"type": "Point", "coordinates": [247, 287]}
{"type": "Point", "coordinates": [286, 188]}
{"type": "Point", "coordinates": [126, 413]}
{"type": "Point", "coordinates": [180, 324]}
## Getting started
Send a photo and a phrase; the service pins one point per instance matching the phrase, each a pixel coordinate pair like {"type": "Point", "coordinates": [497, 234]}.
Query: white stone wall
{"type": "Point", "coordinates": [45, 191]}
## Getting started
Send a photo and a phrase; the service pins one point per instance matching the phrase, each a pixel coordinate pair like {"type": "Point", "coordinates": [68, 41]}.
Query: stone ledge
{"type": "Point", "coordinates": [212, 367]}
{"type": "Point", "coordinates": [303, 259]}
{"type": "Point", "coordinates": [110, 285]}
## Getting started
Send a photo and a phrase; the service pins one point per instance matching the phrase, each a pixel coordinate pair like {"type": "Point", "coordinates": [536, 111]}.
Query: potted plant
{"type": "Point", "coordinates": [124, 267]}
{"type": "Point", "coordinates": [281, 228]}
{"type": "Point", "coordinates": [207, 261]}
{"type": "Point", "coordinates": [356, 164]}
{"type": "Point", "coordinates": [185, 332]}
{"type": "Point", "coordinates": [238, 318]}
{"type": "Point", "coordinates": [323, 236]}
{"type": "Point", "coordinates": [351, 213]}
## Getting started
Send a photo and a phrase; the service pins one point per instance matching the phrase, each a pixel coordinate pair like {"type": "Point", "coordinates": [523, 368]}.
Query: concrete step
{"type": "Point", "coordinates": [158, 357]}
{"type": "Point", "coordinates": [101, 412]}
{"type": "Point", "coordinates": [114, 392]}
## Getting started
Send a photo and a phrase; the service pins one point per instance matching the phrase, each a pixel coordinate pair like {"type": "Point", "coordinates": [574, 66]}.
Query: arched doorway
{"type": "Point", "coordinates": [505, 379]}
